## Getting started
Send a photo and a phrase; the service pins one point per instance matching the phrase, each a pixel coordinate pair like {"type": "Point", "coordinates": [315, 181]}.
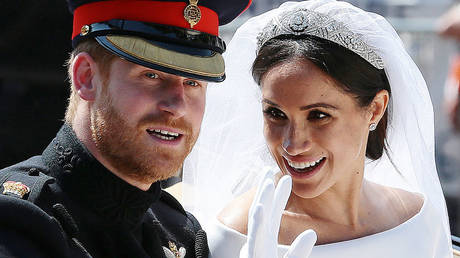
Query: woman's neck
{"type": "Point", "coordinates": [343, 204]}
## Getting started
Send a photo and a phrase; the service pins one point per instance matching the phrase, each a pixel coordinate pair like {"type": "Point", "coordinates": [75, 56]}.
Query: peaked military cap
{"type": "Point", "coordinates": [179, 37]}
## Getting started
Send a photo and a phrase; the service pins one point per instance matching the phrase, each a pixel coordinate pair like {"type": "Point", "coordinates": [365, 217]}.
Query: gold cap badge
{"type": "Point", "coordinates": [192, 13]}
{"type": "Point", "coordinates": [85, 29]}
{"type": "Point", "coordinates": [16, 188]}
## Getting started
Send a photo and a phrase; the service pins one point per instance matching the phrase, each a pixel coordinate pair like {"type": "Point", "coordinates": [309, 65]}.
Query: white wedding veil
{"type": "Point", "coordinates": [230, 154]}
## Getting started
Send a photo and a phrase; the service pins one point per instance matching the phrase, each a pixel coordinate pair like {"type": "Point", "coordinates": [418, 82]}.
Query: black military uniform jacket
{"type": "Point", "coordinates": [77, 208]}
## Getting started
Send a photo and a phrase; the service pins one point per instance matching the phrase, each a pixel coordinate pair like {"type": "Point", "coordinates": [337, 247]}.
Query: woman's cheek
{"type": "Point", "coordinates": [272, 134]}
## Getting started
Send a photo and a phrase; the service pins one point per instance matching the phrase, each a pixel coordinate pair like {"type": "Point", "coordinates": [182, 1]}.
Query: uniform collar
{"type": "Point", "coordinates": [87, 181]}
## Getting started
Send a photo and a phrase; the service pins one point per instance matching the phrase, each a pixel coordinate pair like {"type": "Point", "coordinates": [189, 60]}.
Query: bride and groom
{"type": "Point", "coordinates": [319, 143]}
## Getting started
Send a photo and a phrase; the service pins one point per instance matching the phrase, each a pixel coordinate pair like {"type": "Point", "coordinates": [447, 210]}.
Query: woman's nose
{"type": "Point", "coordinates": [297, 141]}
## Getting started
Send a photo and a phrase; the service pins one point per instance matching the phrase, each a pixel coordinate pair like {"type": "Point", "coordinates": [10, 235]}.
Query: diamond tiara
{"type": "Point", "coordinates": [307, 22]}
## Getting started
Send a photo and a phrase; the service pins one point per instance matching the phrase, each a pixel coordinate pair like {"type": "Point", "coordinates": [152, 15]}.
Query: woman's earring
{"type": "Point", "coordinates": [372, 127]}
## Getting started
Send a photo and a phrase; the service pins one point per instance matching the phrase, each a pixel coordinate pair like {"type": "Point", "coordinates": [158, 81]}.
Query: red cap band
{"type": "Point", "coordinates": [167, 13]}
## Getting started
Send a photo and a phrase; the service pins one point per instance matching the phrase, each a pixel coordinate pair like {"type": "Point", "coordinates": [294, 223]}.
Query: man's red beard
{"type": "Point", "coordinates": [125, 147]}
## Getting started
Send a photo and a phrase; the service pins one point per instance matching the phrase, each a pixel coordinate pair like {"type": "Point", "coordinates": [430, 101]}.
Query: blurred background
{"type": "Point", "coordinates": [35, 42]}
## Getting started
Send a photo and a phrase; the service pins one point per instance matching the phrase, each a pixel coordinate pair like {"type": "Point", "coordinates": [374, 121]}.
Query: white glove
{"type": "Point", "coordinates": [264, 221]}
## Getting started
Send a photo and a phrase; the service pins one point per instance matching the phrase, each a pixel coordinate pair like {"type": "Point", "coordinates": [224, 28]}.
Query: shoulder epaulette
{"type": "Point", "coordinates": [24, 185]}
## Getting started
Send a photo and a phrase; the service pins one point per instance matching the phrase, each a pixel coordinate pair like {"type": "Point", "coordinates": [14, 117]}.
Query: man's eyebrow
{"type": "Point", "coordinates": [319, 104]}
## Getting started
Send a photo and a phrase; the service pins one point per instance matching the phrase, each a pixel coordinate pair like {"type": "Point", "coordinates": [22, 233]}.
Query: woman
{"type": "Point", "coordinates": [345, 113]}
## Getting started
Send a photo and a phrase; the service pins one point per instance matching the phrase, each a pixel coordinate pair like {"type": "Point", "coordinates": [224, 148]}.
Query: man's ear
{"type": "Point", "coordinates": [379, 105]}
{"type": "Point", "coordinates": [83, 70]}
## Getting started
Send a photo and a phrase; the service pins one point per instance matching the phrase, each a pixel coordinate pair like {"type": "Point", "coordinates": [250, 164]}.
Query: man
{"type": "Point", "coordinates": [138, 73]}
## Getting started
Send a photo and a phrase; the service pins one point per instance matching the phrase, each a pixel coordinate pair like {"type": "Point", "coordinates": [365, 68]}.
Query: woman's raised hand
{"type": "Point", "coordinates": [264, 221]}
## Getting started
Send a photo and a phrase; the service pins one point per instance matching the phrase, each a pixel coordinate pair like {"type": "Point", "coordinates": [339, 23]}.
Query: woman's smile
{"type": "Point", "coordinates": [303, 170]}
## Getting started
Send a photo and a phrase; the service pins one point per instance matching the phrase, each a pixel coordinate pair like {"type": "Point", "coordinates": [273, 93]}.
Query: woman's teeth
{"type": "Point", "coordinates": [304, 165]}
{"type": "Point", "coordinates": [163, 134]}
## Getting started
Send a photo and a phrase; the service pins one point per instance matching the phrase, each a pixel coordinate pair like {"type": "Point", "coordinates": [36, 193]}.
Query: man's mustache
{"type": "Point", "coordinates": [162, 120]}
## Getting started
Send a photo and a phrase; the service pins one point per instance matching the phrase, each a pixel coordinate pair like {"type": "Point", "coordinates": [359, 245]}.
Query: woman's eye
{"type": "Point", "coordinates": [274, 113]}
{"type": "Point", "coordinates": [192, 83]}
{"type": "Point", "coordinates": [317, 115]}
{"type": "Point", "coordinates": [152, 75]}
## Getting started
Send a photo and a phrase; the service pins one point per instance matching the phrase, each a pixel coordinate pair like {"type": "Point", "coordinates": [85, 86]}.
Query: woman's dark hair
{"type": "Point", "coordinates": [354, 74]}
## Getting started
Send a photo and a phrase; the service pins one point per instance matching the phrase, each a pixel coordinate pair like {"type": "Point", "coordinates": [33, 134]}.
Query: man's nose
{"type": "Point", "coordinates": [297, 141]}
{"type": "Point", "coordinates": [173, 99]}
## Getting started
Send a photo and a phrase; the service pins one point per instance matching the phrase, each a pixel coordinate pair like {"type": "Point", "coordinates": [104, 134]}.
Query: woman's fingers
{"type": "Point", "coordinates": [281, 196]}
{"type": "Point", "coordinates": [302, 245]}
{"type": "Point", "coordinates": [255, 228]}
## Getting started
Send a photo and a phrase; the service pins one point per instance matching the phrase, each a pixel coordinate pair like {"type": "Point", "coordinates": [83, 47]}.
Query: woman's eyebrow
{"type": "Point", "coordinates": [319, 104]}
{"type": "Point", "coordinates": [269, 102]}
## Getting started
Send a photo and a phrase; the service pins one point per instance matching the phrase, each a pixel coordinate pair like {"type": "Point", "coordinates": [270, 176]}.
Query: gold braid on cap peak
{"type": "Point", "coordinates": [307, 22]}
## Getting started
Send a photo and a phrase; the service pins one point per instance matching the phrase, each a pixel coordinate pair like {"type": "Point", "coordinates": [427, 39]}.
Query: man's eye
{"type": "Point", "coordinates": [152, 75]}
{"type": "Point", "coordinates": [317, 115]}
{"type": "Point", "coordinates": [274, 113]}
{"type": "Point", "coordinates": [192, 83]}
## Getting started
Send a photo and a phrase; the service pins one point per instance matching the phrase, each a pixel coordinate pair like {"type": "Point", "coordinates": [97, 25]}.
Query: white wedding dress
{"type": "Point", "coordinates": [420, 236]}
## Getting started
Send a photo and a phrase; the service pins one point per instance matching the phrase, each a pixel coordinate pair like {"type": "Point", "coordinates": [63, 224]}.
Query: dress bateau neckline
{"type": "Point", "coordinates": [406, 223]}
